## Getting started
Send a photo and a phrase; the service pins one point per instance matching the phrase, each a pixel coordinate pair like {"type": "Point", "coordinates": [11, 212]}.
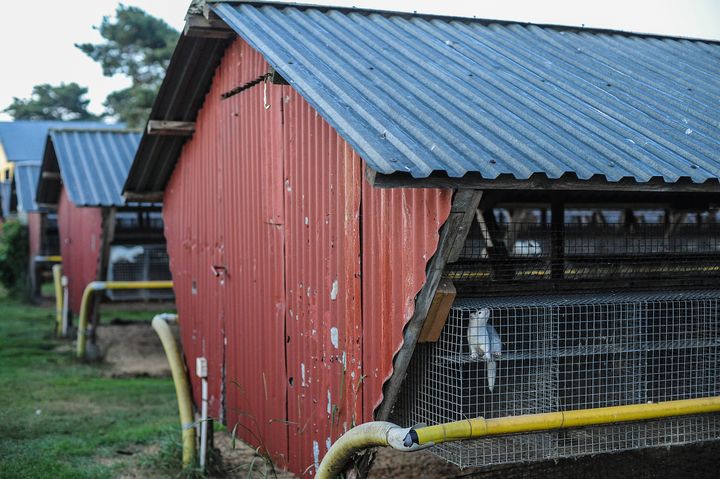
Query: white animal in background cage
{"type": "Point", "coordinates": [484, 342]}
{"type": "Point", "coordinates": [122, 253]}
{"type": "Point", "coordinates": [527, 248]}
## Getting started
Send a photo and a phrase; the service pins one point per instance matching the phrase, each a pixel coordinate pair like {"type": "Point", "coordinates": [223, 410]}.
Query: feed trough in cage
{"type": "Point", "coordinates": [506, 354]}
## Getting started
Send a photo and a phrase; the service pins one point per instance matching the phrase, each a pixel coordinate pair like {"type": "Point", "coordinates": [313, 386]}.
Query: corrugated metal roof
{"type": "Point", "coordinates": [27, 175]}
{"type": "Point", "coordinates": [181, 95]}
{"type": "Point", "coordinates": [93, 165]}
{"type": "Point", "coordinates": [24, 140]}
{"type": "Point", "coordinates": [418, 95]}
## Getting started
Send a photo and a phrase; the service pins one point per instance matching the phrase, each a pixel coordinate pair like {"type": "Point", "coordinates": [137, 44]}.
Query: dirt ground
{"type": "Point", "coordinates": [686, 462]}
{"type": "Point", "coordinates": [132, 349]}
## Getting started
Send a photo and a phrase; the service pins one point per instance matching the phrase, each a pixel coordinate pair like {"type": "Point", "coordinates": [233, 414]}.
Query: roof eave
{"type": "Point", "coordinates": [539, 182]}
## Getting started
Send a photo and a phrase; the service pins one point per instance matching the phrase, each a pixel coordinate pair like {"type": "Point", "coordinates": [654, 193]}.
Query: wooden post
{"type": "Point", "coordinates": [557, 235]}
{"type": "Point", "coordinates": [108, 234]}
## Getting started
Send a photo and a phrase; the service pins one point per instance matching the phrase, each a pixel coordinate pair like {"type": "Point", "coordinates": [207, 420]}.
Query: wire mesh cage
{"type": "Point", "coordinates": [509, 356]}
{"type": "Point", "coordinates": [139, 263]}
{"type": "Point", "coordinates": [595, 252]}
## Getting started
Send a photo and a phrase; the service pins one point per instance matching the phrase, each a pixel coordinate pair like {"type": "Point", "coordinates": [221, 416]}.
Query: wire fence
{"type": "Point", "coordinates": [509, 356]}
{"type": "Point", "coordinates": [545, 256]}
{"type": "Point", "coordinates": [139, 263]}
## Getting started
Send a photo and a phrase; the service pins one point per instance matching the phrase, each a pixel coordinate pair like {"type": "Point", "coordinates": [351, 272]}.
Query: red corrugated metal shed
{"type": "Point", "coordinates": [80, 232]}
{"type": "Point", "coordinates": [292, 276]}
{"type": "Point", "coordinates": [223, 213]}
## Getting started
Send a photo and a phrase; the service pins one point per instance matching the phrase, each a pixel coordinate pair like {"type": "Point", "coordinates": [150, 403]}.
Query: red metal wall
{"type": "Point", "coordinates": [322, 259]}
{"type": "Point", "coordinates": [224, 207]}
{"type": "Point", "coordinates": [80, 242]}
{"type": "Point", "coordinates": [400, 234]}
{"type": "Point", "coordinates": [278, 199]}
{"type": "Point", "coordinates": [34, 221]}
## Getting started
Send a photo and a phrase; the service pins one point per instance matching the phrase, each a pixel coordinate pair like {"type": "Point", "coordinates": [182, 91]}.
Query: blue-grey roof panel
{"type": "Point", "coordinates": [94, 164]}
{"type": "Point", "coordinates": [419, 94]}
{"type": "Point", "coordinates": [26, 177]}
{"type": "Point", "coordinates": [24, 140]}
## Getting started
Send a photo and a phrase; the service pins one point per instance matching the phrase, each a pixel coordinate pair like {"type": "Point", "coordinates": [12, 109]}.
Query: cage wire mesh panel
{"type": "Point", "coordinates": [561, 353]}
{"type": "Point", "coordinates": [598, 250]}
{"type": "Point", "coordinates": [594, 308]}
{"type": "Point", "coordinates": [139, 263]}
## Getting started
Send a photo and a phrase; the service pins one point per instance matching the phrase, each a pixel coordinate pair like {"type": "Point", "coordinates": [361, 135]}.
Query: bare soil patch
{"type": "Point", "coordinates": [694, 461]}
{"type": "Point", "coordinates": [243, 461]}
{"type": "Point", "coordinates": [132, 349]}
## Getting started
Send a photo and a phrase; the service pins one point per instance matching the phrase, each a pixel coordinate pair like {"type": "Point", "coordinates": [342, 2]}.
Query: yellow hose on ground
{"type": "Point", "coordinates": [57, 281]}
{"type": "Point", "coordinates": [48, 259]}
{"type": "Point", "coordinates": [91, 288]}
{"type": "Point", "coordinates": [370, 434]}
{"type": "Point", "coordinates": [386, 434]}
{"type": "Point", "coordinates": [479, 427]}
{"type": "Point", "coordinates": [182, 386]}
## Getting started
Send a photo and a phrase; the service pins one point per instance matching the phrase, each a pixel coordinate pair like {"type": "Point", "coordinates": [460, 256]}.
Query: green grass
{"type": "Point", "coordinates": [63, 419]}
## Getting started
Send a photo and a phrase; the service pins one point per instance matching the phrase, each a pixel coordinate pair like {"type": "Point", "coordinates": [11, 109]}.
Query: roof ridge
{"type": "Point", "coordinates": [472, 19]}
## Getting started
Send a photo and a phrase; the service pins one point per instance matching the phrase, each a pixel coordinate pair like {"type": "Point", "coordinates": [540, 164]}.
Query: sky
{"type": "Point", "coordinates": [37, 37]}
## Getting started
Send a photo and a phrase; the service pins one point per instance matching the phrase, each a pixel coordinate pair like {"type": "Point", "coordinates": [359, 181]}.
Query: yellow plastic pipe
{"type": "Point", "coordinates": [363, 436]}
{"type": "Point", "coordinates": [57, 281]}
{"type": "Point", "coordinates": [48, 259]}
{"type": "Point", "coordinates": [95, 286]}
{"type": "Point", "coordinates": [182, 385]}
{"type": "Point", "coordinates": [478, 427]}
{"type": "Point", "coordinates": [385, 434]}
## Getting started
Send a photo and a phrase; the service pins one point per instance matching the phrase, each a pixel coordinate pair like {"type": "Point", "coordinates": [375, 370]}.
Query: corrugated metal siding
{"type": "Point", "coordinates": [274, 196]}
{"type": "Point", "coordinates": [399, 236]}
{"type": "Point", "coordinates": [80, 242]}
{"type": "Point", "coordinates": [416, 94]}
{"type": "Point", "coordinates": [224, 206]}
{"type": "Point", "coordinates": [191, 223]}
{"type": "Point", "coordinates": [94, 164]}
{"type": "Point", "coordinates": [251, 181]}
{"type": "Point", "coordinates": [322, 258]}
{"type": "Point", "coordinates": [27, 175]}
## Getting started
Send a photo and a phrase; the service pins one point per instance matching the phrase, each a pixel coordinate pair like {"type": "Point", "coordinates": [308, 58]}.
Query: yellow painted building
{"type": "Point", "coordinates": [6, 166]}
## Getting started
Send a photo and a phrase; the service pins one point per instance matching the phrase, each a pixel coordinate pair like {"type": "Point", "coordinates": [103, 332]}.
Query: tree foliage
{"type": "Point", "coordinates": [62, 102]}
{"type": "Point", "coordinates": [138, 46]}
{"type": "Point", "coordinates": [131, 105]}
{"type": "Point", "coordinates": [14, 258]}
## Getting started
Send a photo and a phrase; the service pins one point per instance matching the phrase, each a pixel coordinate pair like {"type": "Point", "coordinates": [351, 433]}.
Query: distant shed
{"type": "Point", "coordinates": [321, 167]}
{"type": "Point", "coordinates": [23, 141]}
{"type": "Point", "coordinates": [81, 179]}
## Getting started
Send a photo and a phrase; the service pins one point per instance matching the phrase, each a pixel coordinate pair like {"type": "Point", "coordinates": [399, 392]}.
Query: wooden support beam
{"type": "Point", "coordinates": [199, 26]}
{"type": "Point", "coordinates": [537, 182]}
{"type": "Point", "coordinates": [453, 233]}
{"type": "Point", "coordinates": [108, 233]}
{"type": "Point", "coordinates": [557, 239]}
{"type": "Point", "coordinates": [170, 128]}
{"type": "Point", "coordinates": [149, 197]}
{"type": "Point", "coordinates": [439, 311]}
{"type": "Point", "coordinates": [49, 206]}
